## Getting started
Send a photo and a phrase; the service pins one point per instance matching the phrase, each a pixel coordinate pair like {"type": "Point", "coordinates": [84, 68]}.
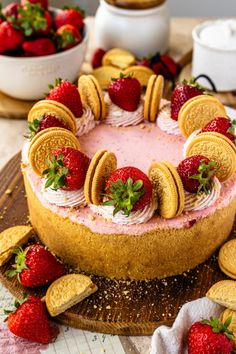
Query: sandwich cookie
{"type": "Point", "coordinates": [12, 238]}
{"type": "Point", "coordinates": [141, 73]}
{"type": "Point", "coordinates": [91, 94]}
{"type": "Point", "coordinates": [199, 111]}
{"type": "Point", "coordinates": [102, 165]}
{"type": "Point", "coordinates": [232, 326]}
{"type": "Point", "coordinates": [153, 97]}
{"type": "Point", "coordinates": [118, 57]}
{"type": "Point", "coordinates": [227, 258]}
{"type": "Point", "coordinates": [223, 293]}
{"type": "Point", "coordinates": [68, 291]}
{"type": "Point", "coordinates": [167, 188]}
{"type": "Point", "coordinates": [45, 142]}
{"type": "Point", "coordinates": [216, 147]}
{"type": "Point", "coordinates": [104, 75]}
{"type": "Point", "coordinates": [54, 108]}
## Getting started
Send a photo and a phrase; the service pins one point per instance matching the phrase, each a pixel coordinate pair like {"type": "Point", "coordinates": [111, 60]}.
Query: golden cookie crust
{"type": "Point", "coordinates": [165, 189]}
{"type": "Point", "coordinates": [45, 142]}
{"type": "Point", "coordinates": [217, 148]}
{"type": "Point", "coordinates": [153, 97]}
{"type": "Point", "coordinates": [13, 238]}
{"type": "Point", "coordinates": [104, 74]}
{"type": "Point", "coordinates": [199, 111]}
{"type": "Point", "coordinates": [55, 108]}
{"type": "Point", "coordinates": [227, 258]}
{"type": "Point", "coordinates": [119, 58]}
{"type": "Point", "coordinates": [141, 73]}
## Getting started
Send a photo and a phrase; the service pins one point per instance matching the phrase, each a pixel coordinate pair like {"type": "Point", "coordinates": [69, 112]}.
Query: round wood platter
{"type": "Point", "coordinates": [118, 307]}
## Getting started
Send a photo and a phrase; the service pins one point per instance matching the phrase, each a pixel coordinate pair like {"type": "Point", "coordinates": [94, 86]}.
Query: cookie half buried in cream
{"type": "Point", "coordinates": [201, 201]}
{"type": "Point", "coordinates": [85, 123]}
{"type": "Point", "coordinates": [166, 123]}
{"type": "Point", "coordinates": [63, 197]}
{"type": "Point", "coordinates": [135, 217]}
{"type": "Point", "coordinates": [118, 117]}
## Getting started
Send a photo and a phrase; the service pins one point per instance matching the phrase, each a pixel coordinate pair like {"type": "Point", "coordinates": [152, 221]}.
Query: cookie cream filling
{"type": "Point", "coordinates": [64, 198]}
{"type": "Point", "coordinates": [189, 140]}
{"type": "Point", "coordinates": [135, 217]}
{"type": "Point", "coordinates": [166, 123]}
{"type": "Point", "coordinates": [195, 202]}
{"type": "Point", "coordinates": [85, 123]}
{"type": "Point", "coordinates": [118, 117]}
{"type": "Point", "coordinates": [25, 152]}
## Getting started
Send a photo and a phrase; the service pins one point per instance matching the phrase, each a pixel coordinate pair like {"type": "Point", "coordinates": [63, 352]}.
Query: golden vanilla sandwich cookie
{"type": "Point", "coordinates": [199, 111]}
{"type": "Point", "coordinates": [227, 258]}
{"type": "Point", "coordinates": [45, 142]}
{"type": "Point", "coordinates": [118, 57]}
{"type": "Point", "coordinates": [57, 109]}
{"type": "Point", "coordinates": [141, 73]}
{"type": "Point", "coordinates": [91, 94]}
{"type": "Point", "coordinates": [153, 97]}
{"type": "Point", "coordinates": [167, 188]}
{"type": "Point", "coordinates": [216, 147]}
{"type": "Point", "coordinates": [223, 293]}
{"type": "Point", "coordinates": [12, 238]}
{"type": "Point", "coordinates": [104, 75]}
{"type": "Point", "coordinates": [232, 326]}
{"type": "Point", "coordinates": [101, 167]}
{"type": "Point", "coordinates": [68, 291]}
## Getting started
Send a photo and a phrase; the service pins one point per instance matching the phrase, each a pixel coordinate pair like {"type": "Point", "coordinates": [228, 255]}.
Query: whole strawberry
{"type": "Point", "coordinates": [43, 3]}
{"type": "Point", "coordinates": [68, 36]}
{"type": "Point", "coordinates": [35, 266]}
{"type": "Point", "coordinates": [165, 65]}
{"type": "Point", "coordinates": [39, 47]}
{"type": "Point", "coordinates": [125, 92]}
{"type": "Point", "coordinates": [11, 10]}
{"type": "Point", "coordinates": [66, 93]}
{"type": "Point", "coordinates": [210, 337]}
{"type": "Point", "coordinates": [47, 121]}
{"type": "Point", "coordinates": [31, 321]}
{"type": "Point", "coordinates": [67, 169]}
{"type": "Point", "coordinates": [10, 38]}
{"type": "Point", "coordinates": [223, 126]}
{"type": "Point", "coordinates": [128, 189]}
{"type": "Point", "coordinates": [34, 20]}
{"type": "Point", "coordinates": [181, 94]}
{"type": "Point", "coordinates": [196, 173]}
{"type": "Point", "coordinates": [97, 57]}
{"type": "Point", "coordinates": [70, 16]}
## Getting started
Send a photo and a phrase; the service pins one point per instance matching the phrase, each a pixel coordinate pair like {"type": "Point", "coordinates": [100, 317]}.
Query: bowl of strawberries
{"type": "Point", "coordinates": [39, 43]}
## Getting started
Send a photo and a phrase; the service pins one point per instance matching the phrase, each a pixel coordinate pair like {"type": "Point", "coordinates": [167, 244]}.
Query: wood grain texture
{"type": "Point", "coordinates": [118, 307]}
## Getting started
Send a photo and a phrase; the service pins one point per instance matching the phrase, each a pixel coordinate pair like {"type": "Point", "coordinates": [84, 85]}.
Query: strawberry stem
{"type": "Point", "coordinates": [219, 327]}
{"type": "Point", "coordinates": [205, 176]}
{"type": "Point", "coordinates": [19, 263]}
{"type": "Point", "coordinates": [56, 173]}
{"type": "Point", "coordinates": [123, 196]}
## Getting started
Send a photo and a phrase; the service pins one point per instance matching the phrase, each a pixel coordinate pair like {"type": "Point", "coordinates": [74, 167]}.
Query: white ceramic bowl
{"type": "Point", "coordinates": [216, 60]}
{"type": "Point", "coordinates": [28, 78]}
{"type": "Point", "coordinates": [143, 32]}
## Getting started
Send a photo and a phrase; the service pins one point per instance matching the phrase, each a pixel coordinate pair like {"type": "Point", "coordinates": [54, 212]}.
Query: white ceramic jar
{"type": "Point", "coordinates": [214, 53]}
{"type": "Point", "coordinates": [143, 32]}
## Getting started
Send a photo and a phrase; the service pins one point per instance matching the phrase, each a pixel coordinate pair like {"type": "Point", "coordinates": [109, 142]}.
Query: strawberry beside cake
{"type": "Point", "coordinates": [122, 200]}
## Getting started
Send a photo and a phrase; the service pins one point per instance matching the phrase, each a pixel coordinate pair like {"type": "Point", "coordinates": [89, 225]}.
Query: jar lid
{"type": "Point", "coordinates": [136, 4]}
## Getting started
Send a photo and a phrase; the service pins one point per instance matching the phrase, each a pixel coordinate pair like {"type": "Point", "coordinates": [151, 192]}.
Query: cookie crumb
{"type": "Point", "coordinates": [8, 191]}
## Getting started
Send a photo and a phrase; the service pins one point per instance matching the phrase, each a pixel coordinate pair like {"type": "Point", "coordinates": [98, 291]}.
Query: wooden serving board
{"type": "Point", "coordinates": [118, 307]}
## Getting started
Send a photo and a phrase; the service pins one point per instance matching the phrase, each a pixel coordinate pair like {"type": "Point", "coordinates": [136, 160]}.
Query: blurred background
{"type": "Point", "coordinates": [180, 8]}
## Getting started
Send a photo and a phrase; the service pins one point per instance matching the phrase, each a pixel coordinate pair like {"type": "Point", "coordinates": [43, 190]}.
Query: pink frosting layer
{"type": "Point", "coordinates": [137, 146]}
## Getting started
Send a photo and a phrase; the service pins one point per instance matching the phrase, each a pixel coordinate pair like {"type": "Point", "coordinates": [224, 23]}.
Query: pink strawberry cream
{"type": "Point", "coordinates": [137, 146]}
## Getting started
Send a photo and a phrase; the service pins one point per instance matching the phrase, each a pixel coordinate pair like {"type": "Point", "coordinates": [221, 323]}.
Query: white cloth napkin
{"type": "Point", "coordinates": [172, 340]}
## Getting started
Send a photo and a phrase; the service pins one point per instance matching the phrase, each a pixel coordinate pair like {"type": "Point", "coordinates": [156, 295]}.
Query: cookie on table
{"type": "Point", "coordinates": [141, 73]}
{"type": "Point", "coordinates": [223, 293]}
{"type": "Point", "coordinates": [12, 238]}
{"type": "Point", "coordinates": [101, 167]}
{"type": "Point", "coordinates": [227, 258]}
{"type": "Point", "coordinates": [68, 291]}
{"type": "Point", "coordinates": [118, 57]}
{"type": "Point", "coordinates": [57, 109]}
{"type": "Point", "coordinates": [104, 75]}
{"type": "Point", "coordinates": [91, 94]}
{"type": "Point", "coordinates": [167, 188]}
{"type": "Point", "coordinates": [216, 147]}
{"type": "Point", "coordinates": [153, 97]}
{"type": "Point", "coordinates": [45, 142]}
{"type": "Point", "coordinates": [199, 111]}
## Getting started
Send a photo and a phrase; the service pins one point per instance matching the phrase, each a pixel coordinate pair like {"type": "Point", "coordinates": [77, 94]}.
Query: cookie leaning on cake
{"type": "Point", "coordinates": [35, 266]}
